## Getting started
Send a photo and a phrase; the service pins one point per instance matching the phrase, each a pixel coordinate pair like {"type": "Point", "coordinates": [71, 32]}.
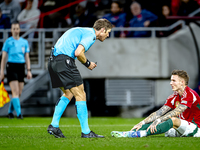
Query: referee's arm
{"type": "Point", "coordinates": [3, 62]}
{"type": "Point", "coordinates": [79, 53]}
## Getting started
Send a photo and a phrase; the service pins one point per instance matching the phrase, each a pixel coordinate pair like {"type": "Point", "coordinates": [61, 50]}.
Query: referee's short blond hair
{"type": "Point", "coordinates": [102, 23]}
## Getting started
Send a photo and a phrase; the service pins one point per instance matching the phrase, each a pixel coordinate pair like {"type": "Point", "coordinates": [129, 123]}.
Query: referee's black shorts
{"type": "Point", "coordinates": [63, 72]}
{"type": "Point", "coordinates": [15, 71]}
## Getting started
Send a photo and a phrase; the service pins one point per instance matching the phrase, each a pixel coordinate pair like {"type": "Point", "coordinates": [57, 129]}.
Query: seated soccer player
{"type": "Point", "coordinates": [178, 117]}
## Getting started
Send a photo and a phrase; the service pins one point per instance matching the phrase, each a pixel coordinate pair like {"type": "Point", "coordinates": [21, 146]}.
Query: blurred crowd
{"type": "Point", "coordinates": [75, 13]}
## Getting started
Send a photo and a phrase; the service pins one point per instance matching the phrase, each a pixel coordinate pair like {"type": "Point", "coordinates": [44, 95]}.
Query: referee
{"type": "Point", "coordinates": [17, 50]}
{"type": "Point", "coordinates": [65, 75]}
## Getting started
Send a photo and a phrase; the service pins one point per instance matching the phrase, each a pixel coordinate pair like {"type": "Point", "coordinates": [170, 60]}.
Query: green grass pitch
{"type": "Point", "coordinates": [31, 133]}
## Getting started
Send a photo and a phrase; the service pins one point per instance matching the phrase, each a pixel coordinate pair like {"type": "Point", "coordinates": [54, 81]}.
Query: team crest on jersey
{"type": "Point", "coordinates": [177, 103]}
{"type": "Point", "coordinates": [23, 49]}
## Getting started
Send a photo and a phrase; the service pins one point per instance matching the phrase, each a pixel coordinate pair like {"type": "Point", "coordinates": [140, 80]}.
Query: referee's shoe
{"type": "Point", "coordinates": [55, 131]}
{"type": "Point", "coordinates": [91, 135]}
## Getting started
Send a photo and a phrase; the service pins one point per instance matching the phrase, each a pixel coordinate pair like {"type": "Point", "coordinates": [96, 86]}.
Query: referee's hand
{"type": "Point", "coordinates": [92, 65]}
{"type": "Point", "coordinates": [1, 76]}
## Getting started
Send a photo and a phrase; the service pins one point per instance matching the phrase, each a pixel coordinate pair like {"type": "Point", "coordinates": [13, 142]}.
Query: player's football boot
{"type": "Point", "coordinates": [131, 134]}
{"type": "Point", "coordinates": [10, 116]}
{"type": "Point", "coordinates": [91, 135]}
{"type": "Point", "coordinates": [55, 131]}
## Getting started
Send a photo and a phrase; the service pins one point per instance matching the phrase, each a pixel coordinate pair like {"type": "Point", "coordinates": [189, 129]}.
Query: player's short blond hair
{"type": "Point", "coordinates": [183, 74]}
{"type": "Point", "coordinates": [102, 23]}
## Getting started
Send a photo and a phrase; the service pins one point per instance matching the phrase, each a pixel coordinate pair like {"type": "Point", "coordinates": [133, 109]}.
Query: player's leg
{"type": "Point", "coordinates": [61, 106]}
{"type": "Point", "coordinates": [14, 85]}
{"type": "Point", "coordinates": [126, 133]}
{"type": "Point", "coordinates": [185, 128]}
{"type": "Point", "coordinates": [82, 113]}
{"type": "Point", "coordinates": [144, 127]}
{"type": "Point", "coordinates": [161, 128]}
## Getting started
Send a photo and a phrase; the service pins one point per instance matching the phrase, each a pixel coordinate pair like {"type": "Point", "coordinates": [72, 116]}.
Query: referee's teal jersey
{"type": "Point", "coordinates": [16, 49]}
{"type": "Point", "coordinates": [69, 41]}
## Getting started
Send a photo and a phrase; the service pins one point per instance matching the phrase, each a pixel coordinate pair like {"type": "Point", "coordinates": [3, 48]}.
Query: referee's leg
{"type": "Point", "coordinates": [60, 107]}
{"type": "Point", "coordinates": [81, 107]}
{"type": "Point", "coordinates": [82, 113]}
{"type": "Point", "coordinates": [14, 85]}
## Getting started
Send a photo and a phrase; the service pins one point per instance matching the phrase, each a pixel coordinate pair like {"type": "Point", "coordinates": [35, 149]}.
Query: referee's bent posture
{"type": "Point", "coordinates": [65, 75]}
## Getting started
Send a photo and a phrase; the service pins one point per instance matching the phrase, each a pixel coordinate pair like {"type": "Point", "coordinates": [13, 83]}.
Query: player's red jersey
{"type": "Point", "coordinates": [189, 98]}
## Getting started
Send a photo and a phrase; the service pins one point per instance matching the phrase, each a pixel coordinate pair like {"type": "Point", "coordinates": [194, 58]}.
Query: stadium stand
{"type": "Point", "coordinates": [154, 62]}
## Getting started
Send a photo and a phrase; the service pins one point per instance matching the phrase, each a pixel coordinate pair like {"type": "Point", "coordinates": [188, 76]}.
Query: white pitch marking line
{"type": "Point", "coordinates": [67, 126]}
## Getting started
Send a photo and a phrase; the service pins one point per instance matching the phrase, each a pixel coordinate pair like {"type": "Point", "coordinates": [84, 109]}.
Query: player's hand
{"type": "Point", "coordinates": [92, 65]}
{"type": "Point", "coordinates": [137, 126]}
{"type": "Point", "coordinates": [29, 75]}
{"type": "Point", "coordinates": [152, 127]}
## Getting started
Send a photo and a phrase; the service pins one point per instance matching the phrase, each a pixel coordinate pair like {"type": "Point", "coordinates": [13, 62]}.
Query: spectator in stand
{"type": "Point", "coordinates": [4, 24]}
{"type": "Point", "coordinates": [187, 6]}
{"type": "Point", "coordinates": [11, 8]}
{"type": "Point", "coordinates": [116, 17]}
{"type": "Point", "coordinates": [56, 18]}
{"type": "Point", "coordinates": [164, 22]}
{"type": "Point", "coordinates": [183, 7]}
{"type": "Point", "coordinates": [29, 17]}
{"type": "Point", "coordinates": [141, 18]}
{"type": "Point", "coordinates": [4, 21]}
{"type": "Point", "coordinates": [174, 7]}
{"type": "Point", "coordinates": [82, 17]}
{"type": "Point", "coordinates": [22, 3]}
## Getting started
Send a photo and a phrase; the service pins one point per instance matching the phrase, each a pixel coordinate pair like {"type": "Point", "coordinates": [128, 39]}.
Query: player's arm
{"type": "Point", "coordinates": [164, 109]}
{"type": "Point", "coordinates": [28, 66]}
{"type": "Point", "coordinates": [152, 117]}
{"type": "Point", "coordinates": [174, 113]}
{"type": "Point", "coordinates": [80, 54]}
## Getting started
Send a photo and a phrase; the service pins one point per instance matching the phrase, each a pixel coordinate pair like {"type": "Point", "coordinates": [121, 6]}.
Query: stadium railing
{"type": "Point", "coordinates": [41, 39]}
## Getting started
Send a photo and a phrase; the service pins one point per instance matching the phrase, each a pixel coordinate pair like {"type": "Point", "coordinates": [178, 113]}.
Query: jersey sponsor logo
{"type": "Point", "coordinates": [23, 50]}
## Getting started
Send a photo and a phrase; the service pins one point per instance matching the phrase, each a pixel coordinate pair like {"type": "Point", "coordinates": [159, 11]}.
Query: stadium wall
{"type": "Point", "coordinates": [144, 57]}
